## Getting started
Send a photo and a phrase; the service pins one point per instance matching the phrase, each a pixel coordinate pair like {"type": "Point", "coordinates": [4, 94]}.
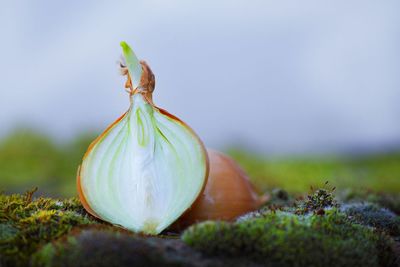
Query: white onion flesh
{"type": "Point", "coordinates": [144, 171]}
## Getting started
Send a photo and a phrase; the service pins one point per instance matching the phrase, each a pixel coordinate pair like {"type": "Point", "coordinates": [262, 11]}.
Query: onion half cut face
{"type": "Point", "coordinates": [144, 171]}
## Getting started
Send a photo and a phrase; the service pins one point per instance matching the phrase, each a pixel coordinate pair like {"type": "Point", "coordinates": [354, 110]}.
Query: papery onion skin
{"type": "Point", "coordinates": [228, 193]}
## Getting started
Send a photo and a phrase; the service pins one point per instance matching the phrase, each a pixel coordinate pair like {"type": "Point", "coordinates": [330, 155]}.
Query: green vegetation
{"type": "Point", "coordinates": [317, 202]}
{"type": "Point", "coordinates": [286, 239]}
{"type": "Point", "coordinates": [26, 224]}
{"type": "Point", "coordinates": [29, 159]}
{"type": "Point", "coordinates": [378, 172]}
{"type": "Point", "coordinates": [312, 232]}
{"type": "Point", "coordinates": [51, 232]}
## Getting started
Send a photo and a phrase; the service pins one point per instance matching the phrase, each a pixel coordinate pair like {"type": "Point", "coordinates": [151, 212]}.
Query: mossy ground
{"type": "Point", "coordinates": [51, 232]}
{"type": "Point", "coordinates": [285, 239]}
{"type": "Point", "coordinates": [28, 223]}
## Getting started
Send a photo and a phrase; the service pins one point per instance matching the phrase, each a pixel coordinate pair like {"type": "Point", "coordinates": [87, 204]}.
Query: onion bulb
{"type": "Point", "coordinates": [228, 193]}
{"type": "Point", "coordinates": [148, 167]}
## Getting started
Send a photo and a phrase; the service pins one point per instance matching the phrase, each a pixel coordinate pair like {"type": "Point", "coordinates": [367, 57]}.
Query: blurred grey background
{"type": "Point", "coordinates": [280, 77]}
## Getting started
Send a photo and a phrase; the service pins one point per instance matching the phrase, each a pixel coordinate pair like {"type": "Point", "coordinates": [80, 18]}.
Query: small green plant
{"type": "Point", "coordinates": [317, 201]}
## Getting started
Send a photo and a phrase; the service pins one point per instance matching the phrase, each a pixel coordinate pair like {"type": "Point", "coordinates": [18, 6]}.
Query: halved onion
{"type": "Point", "coordinates": [148, 167]}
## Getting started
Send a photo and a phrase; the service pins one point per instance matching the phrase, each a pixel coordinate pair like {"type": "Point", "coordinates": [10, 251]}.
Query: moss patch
{"type": "Point", "coordinates": [52, 232]}
{"type": "Point", "coordinates": [28, 223]}
{"type": "Point", "coordinates": [287, 239]}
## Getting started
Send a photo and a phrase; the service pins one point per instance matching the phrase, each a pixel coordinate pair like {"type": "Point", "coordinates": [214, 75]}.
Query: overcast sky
{"type": "Point", "coordinates": [277, 76]}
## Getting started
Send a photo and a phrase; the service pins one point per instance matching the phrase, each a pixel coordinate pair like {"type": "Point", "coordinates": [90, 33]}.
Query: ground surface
{"type": "Point", "coordinates": [316, 230]}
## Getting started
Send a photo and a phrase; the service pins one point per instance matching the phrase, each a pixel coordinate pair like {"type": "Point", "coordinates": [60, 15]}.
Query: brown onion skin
{"type": "Point", "coordinates": [227, 195]}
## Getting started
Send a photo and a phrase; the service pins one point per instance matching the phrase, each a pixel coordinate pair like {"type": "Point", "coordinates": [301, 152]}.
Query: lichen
{"type": "Point", "coordinates": [287, 239]}
{"type": "Point", "coordinates": [27, 223]}
{"type": "Point", "coordinates": [375, 216]}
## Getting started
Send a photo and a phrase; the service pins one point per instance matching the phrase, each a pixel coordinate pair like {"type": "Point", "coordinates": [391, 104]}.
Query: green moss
{"type": "Point", "coordinates": [61, 233]}
{"type": "Point", "coordinates": [287, 239]}
{"type": "Point", "coordinates": [375, 216]}
{"type": "Point", "coordinates": [28, 223]}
